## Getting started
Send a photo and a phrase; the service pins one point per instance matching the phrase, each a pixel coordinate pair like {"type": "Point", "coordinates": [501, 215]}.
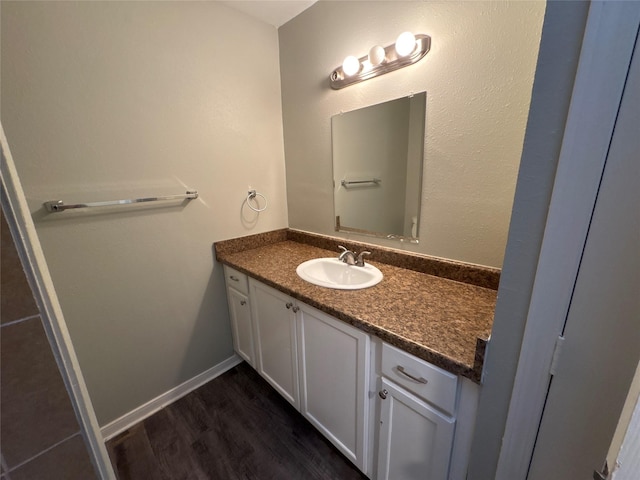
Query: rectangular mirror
{"type": "Point", "coordinates": [377, 168]}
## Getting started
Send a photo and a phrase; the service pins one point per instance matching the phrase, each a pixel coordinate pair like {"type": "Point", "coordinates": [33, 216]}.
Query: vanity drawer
{"type": "Point", "coordinates": [429, 382]}
{"type": "Point", "coordinates": [236, 280]}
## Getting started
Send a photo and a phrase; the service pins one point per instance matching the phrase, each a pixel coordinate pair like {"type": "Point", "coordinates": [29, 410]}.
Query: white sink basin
{"type": "Point", "coordinates": [334, 273]}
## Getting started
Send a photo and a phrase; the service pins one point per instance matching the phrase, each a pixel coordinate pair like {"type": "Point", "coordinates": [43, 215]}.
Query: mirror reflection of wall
{"type": "Point", "coordinates": [377, 168]}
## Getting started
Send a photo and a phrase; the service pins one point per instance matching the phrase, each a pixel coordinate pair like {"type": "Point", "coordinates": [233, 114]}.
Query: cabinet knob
{"type": "Point", "coordinates": [289, 305]}
{"type": "Point", "coordinates": [295, 309]}
{"type": "Point", "coordinates": [235, 279]}
{"type": "Point", "coordinates": [243, 302]}
{"type": "Point", "coordinates": [383, 394]}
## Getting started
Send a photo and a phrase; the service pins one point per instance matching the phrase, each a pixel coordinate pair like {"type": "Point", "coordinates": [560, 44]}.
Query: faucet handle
{"type": "Point", "coordinates": [360, 260]}
{"type": "Point", "coordinates": [347, 256]}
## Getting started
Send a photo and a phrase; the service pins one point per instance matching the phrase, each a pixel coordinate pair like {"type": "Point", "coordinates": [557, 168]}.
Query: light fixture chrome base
{"type": "Point", "coordinates": [392, 62]}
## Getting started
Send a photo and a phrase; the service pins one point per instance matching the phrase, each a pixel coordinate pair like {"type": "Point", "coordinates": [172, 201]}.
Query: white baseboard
{"type": "Point", "coordinates": [126, 421]}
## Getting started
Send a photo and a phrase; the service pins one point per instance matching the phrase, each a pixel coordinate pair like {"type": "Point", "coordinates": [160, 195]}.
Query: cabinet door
{"type": "Point", "coordinates": [415, 440]}
{"type": "Point", "coordinates": [275, 327]}
{"type": "Point", "coordinates": [240, 314]}
{"type": "Point", "coordinates": [334, 366]}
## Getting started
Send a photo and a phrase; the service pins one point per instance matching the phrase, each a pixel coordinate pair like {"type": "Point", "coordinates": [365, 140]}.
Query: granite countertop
{"type": "Point", "coordinates": [442, 321]}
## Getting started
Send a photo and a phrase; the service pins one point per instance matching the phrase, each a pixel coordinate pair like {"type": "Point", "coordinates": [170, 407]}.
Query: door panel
{"type": "Point", "coordinates": [334, 369]}
{"type": "Point", "coordinates": [602, 332]}
{"type": "Point", "coordinates": [415, 439]}
{"type": "Point", "coordinates": [242, 326]}
{"type": "Point", "coordinates": [276, 340]}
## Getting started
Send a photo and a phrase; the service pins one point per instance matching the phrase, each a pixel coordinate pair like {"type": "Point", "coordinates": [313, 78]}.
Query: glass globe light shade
{"type": "Point", "coordinates": [376, 55]}
{"type": "Point", "coordinates": [350, 66]}
{"type": "Point", "coordinates": [405, 44]}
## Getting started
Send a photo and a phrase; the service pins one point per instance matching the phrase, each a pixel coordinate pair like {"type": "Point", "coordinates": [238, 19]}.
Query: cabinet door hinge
{"type": "Point", "coordinates": [556, 355]}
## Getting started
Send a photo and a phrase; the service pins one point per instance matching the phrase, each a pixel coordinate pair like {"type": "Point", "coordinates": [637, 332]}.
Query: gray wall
{"type": "Point", "coordinates": [478, 77]}
{"type": "Point", "coordinates": [559, 51]}
{"type": "Point", "coordinates": [108, 100]}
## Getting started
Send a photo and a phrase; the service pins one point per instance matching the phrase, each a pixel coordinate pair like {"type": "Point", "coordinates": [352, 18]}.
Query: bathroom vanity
{"type": "Point", "coordinates": [389, 374]}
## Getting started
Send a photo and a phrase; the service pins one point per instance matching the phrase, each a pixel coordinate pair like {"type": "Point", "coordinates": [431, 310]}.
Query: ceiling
{"type": "Point", "coordinates": [274, 12]}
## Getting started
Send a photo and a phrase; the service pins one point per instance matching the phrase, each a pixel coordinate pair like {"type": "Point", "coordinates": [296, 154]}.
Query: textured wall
{"type": "Point", "coordinates": [478, 77]}
{"type": "Point", "coordinates": [108, 100]}
{"type": "Point", "coordinates": [562, 34]}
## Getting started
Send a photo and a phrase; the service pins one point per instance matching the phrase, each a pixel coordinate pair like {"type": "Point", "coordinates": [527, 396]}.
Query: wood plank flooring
{"type": "Point", "coordinates": [234, 427]}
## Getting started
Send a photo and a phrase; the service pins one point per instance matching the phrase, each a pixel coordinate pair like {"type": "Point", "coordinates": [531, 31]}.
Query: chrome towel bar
{"type": "Point", "coordinates": [59, 206]}
{"type": "Point", "coordinates": [348, 183]}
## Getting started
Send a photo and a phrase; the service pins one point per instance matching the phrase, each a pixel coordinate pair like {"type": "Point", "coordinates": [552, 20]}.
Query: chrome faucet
{"type": "Point", "coordinates": [347, 256]}
{"type": "Point", "coordinates": [350, 258]}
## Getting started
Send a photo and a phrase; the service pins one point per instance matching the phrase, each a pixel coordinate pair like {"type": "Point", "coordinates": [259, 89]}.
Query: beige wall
{"type": "Point", "coordinates": [108, 100]}
{"type": "Point", "coordinates": [560, 46]}
{"type": "Point", "coordinates": [478, 78]}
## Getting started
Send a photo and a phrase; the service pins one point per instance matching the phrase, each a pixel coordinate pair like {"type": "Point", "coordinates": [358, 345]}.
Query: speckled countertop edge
{"type": "Point", "coordinates": [442, 321]}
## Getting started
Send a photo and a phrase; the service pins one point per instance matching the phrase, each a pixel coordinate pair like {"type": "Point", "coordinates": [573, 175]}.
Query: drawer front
{"type": "Point", "coordinates": [427, 381]}
{"type": "Point", "coordinates": [236, 280]}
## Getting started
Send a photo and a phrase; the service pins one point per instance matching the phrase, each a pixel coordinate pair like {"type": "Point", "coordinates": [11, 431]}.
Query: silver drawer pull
{"type": "Point", "coordinates": [407, 374]}
{"type": "Point", "coordinates": [383, 394]}
{"type": "Point", "coordinates": [235, 279]}
{"type": "Point", "coordinates": [243, 302]}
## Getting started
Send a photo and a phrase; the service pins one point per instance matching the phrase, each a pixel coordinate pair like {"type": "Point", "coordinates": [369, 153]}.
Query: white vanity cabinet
{"type": "Point", "coordinates": [334, 373]}
{"type": "Point", "coordinates": [276, 343]}
{"type": "Point", "coordinates": [420, 423]}
{"type": "Point", "coordinates": [426, 419]}
{"type": "Point", "coordinates": [240, 313]}
{"type": "Point", "coordinates": [415, 439]}
{"type": "Point", "coordinates": [319, 364]}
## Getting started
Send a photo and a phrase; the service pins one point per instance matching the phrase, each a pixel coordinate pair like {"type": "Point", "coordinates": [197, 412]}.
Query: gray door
{"type": "Point", "coordinates": [602, 331]}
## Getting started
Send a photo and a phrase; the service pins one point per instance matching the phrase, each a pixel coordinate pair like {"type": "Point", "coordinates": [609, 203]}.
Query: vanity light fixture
{"type": "Point", "coordinates": [407, 49]}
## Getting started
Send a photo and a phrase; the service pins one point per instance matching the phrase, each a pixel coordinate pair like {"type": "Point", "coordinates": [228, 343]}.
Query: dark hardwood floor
{"type": "Point", "coordinates": [234, 427]}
